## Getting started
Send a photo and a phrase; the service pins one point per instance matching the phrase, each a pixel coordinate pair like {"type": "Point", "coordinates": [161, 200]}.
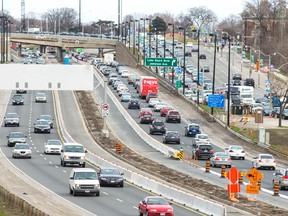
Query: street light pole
{"type": "Point", "coordinates": [129, 31]}
{"type": "Point", "coordinates": [184, 66]}
{"type": "Point", "coordinates": [228, 92]}
{"type": "Point", "coordinates": [214, 69]}
{"type": "Point", "coordinates": [259, 67]}
{"type": "Point", "coordinates": [172, 50]}
{"type": "Point", "coordinates": [79, 27]}
{"type": "Point", "coordinates": [139, 42]}
{"type": "Point", "coordinates": [165, 50]}
{"type": "Point", "coordinates": [198, 65]}
{"type": "Point", "coordinates": [134, 35]}
{"type": "Point", "coordinates": [119, 19]}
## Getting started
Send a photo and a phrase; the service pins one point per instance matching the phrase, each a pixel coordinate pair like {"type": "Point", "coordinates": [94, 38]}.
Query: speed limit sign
{"type": "Point", "coordinates": [105, 110]}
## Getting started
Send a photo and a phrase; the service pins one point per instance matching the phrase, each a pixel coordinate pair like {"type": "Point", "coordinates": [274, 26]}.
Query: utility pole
{"type": "Point", "coordinates": [79, 28]}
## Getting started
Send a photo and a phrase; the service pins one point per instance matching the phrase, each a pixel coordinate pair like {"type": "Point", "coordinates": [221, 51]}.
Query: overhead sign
{"type": "Point", "coordinates": [161, 62]}
{"type": "Point", "coordinates": [216, 101]}
{"type": "Point", "coordinates": [252, 189]}
{"type": "Point", "coordinates": [254, 176]}
{"type": "Point", "coordinates": [178, 70]}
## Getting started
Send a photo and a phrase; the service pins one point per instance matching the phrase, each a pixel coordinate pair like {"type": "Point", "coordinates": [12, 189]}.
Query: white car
{"type": "Point", "coordinates": [202, 138]}
{"type": "Point", "coordinates": [53, 146]}
{"type": "Point", "coordinates": [159, 106]}
{"type": "Point", "coordinates": [21, 150]}
{"type": "Point", "coordinates": [124, 74]}
{"type": "Point", "coordinates": [40, 97]}
{"type": "Point", "coordinates": [264, 161]}
{"type": "Point", "coordinates": [235, 152]}
{"type": "Point", "coordinates": [153, 101]}
{"type": "Point", "coordinates": [121, 86]}
{"type": "Point", "coordinates": [40, 37]}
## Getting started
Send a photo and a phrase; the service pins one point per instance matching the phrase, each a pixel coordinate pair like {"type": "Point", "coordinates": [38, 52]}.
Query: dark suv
{"type": "Point", "coordinates": [202, 150]}
{"type": "Point", "coordinates": [157, 126]}
{"type": "Point", "coordinates": [151, 95]}
{"type": "Point", "coordinates": [134, 103]}
{"type": "Point", "coordinates": [237, 77]}
{"type": "Point", "coordinates": [249, 82]}
{"type": "Point", "coordinates": [173, 116]}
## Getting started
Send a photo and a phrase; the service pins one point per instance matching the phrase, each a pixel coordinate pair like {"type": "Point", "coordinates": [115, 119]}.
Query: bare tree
{"type": "Point", "coordinates": [201, 16]}
{"type": "Point", "coordinates": [231, 24]}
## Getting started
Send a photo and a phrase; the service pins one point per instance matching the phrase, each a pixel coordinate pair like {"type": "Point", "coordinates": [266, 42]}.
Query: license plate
{"type": "Point", "coordinates": [205, 151]}
{"type": "Point", "coordinates": [173, 137]}
{"type": "Point", "coordinates": [162, 214]}
{"type": "Point", "coordinates": [87, 191]}
{"type": "Point", "coordinates": [237, 154]}
{"type": "Point", "coordinates": [158, 127]}
{"type": "Point", "coordinates": [147, 118]}
{"type": "Point", "coordinates": [112, 181]}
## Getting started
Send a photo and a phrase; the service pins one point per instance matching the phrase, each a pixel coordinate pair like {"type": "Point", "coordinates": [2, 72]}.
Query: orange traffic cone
{"type": "Point", "coordinates": [251, 133]}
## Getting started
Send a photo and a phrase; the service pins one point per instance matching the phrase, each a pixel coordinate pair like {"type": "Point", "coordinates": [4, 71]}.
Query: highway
{"type": "Point", "coordinates": [46, 169]}
{"type": "Point", "coordinates": [186, 142]}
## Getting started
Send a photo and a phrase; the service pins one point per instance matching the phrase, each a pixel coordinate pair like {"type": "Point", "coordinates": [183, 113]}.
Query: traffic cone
{"type": "Point", "coordinates": [251, 133]}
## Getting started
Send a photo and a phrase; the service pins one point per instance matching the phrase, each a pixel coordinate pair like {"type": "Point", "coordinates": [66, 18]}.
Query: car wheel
{"type": "Point", "coordinates": [70, 190]}
{"type": "Point", "coordinates": [243, 158]}
{"type": "Point", "coordinates": [140, 214]}
{"type": "Point", "coordinates": [13, 156]}
{"type": "Point", "coordinates": [273, 168]}
{"type": "Point", "coordinates": [97, 194]}
{"type": "Point", "coordinates": [83, 165]}
{"type": "Point", "coordinates": [121, 185]}
{"type": "Point", "coordinates": [5, 125]}
{"type": "Point", "coordinates": [164, 141]}
{"type": "Point", "coordinates": [35, 131]}
{"type": "Point", "coordinates": [179, 142]}
{"type": "Point", "coordinates": [64, 164]}
{"type": "Point", "coordinates": [179, 121]}
{"type": "Point", "coordinates": [48, 131]}
{"type": "Point", "coordinates": [18, 125]}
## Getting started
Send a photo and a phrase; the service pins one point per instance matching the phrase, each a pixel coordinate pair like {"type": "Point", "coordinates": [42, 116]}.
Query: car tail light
{"type": "Point", "coordinates": [259, 160]}
{"type": "Point", "coordinates": [211, 150]}
{"type": "Point", "coordinates": [199, 150]}
{"type": "Point", "coordinates": [152, 126]}
{"type": "Point", "coordinates": [274, 161]}
{"type": "Point", "coordinates": [231, 151]}
{"type": "Point", "coordinates": [229, 159]}
{"type": "Point", "coordinates": [164, 126]}
{"type": "Point", "coordinates": [285, 177]}
{"type": "Point", "coordinates": [217, 159]}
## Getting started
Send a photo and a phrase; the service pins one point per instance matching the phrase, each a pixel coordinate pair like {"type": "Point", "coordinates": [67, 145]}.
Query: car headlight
{"type": "Point", "coordinates": [169, 210]}
{"type": "Point", "coordinates": [77, 185]}
{"type": "Point", "coordinates": [82, 158]}
{"type": "Point", "coordinates": [153, 210]}
{"type": "Point", "coordinates": [65, 156]}
{"type": "Point", "coordinates": [103, 178]}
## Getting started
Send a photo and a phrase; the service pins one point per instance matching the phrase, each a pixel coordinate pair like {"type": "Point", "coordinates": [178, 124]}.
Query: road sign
{"type": "Point", "coordinates": [267, 84]}
{"type": "Point", "coordinates": [243, 54]}
{"type": "Point", "coordinates": [178, 84]}
{"type": "Point", "coordinates": [233, 188]}
{"type": "Point", "coordinates": [261, 62]}
{"type": "Point", "coordinates": [105, 110]}
{"type": "Point", "coordinates": [216, 101]}
{"type": "Point", "coordinates": [253, 176]}
{"type": "Point", "coordinates": [252, 58]}
{"type": "Point", "coordinates": [252, 189]}
{"type": "Point", "coordinates": [161, 62]}
{"type": "Point", "coordinates": [178, 70]}
{"type": "Point", "coordinates": [200, 78]}
{"type": "Point", "coordinates": [233, 175]}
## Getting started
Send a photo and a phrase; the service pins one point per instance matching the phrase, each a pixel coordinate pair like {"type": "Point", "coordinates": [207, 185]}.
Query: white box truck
{"type": "Point", "coordinates": [108, 58]}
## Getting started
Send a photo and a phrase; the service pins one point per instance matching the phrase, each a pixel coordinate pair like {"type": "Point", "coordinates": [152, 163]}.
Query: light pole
{"type": "Point", "coordinates": [134, 35]}
{"type": "Point", "coordinates": [129, 31]}
{"type": "Point", "coordinates": [138, 41]}
{"type": "Point", "coordinates": [79, 27]}
{"type": "Point", "coordinates": [198, 64]}
{"type": "Point", "coordinates": [165, 49]}
{"type": "Point", "coordinates": [214, 69]}
{"type": "Point", "coordinates": [184, 63]}
{"type": "Point", "coordinates": [173, 41]}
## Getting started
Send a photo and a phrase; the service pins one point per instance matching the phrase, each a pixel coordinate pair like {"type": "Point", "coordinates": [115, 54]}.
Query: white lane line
{"type": "Point", "coordinates": [45, 158]}
{"type": "Point", "coordinates": [135, 207]}
{"type": "Point", "coordinates": [119, 200]}
{"type": "Point", "coordinates": [50, 162]}
{"type": "Point", "coordinates": [37, 151]}
{"type": "Point", "coordinates": [35, 147]}
{"type": "Point", "coordinates": [56, 166]}
{"type": "Point", "coordinates": [41, 154]}
{"type": "Point", "coordinates": [32, 144]}
{"type": "Point", "coordinates": [64, 171]}
{"type": "Point", "coordinates": [105, 193]}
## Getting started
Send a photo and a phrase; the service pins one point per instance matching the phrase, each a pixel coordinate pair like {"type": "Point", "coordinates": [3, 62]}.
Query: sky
{"type": "Point", "coordinates": [93, 10]}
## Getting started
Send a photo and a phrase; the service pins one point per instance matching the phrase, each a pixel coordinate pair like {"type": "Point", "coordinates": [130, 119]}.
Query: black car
{"type": "Point", "coordinates": [17, 100]}
{"type": "Point", "coordinates": [285, 114]}
{"type": "Point", "coordinates": [42, 126]}
{"type": "Point", "coordinates": [194, 49]}
{"type": "Point", "coordinates": [236, 77]}
{"type": "Point", "coordinates": [134, 103]}
{"type": "Point", "coordinates": [236, 83]}
{"type": "Point", "coordinates": [15, 137]}
{"type": "Point", "coordinates": [106, 72]}
{"type": "Point", "coordinates": [110, 176]}
{"type": "Point", "coordinates": [202, 150]}
{"type": "Point", "coordinates": [188, 54]}
{"type": "Point", "coordinates": [157, 126]}
{"type": "Point", "coordinates": [171, 137]}
{"type": "Point", "coordinates": [249, 82]}
{"type": "Point", "coordinates": [202, 56]}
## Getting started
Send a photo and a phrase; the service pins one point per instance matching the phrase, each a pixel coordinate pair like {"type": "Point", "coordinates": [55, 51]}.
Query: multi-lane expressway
{"type": "Point", "coordinates": [46, 169]}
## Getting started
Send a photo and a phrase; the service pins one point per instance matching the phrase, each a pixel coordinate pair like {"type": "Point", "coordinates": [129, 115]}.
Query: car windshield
{"type": "Point", "coordinates": [205, 147]}
{"type": "Point", "coordinates": [40, 122]}
{"type": "Point", "coordinates": [154, 100]}
{"type": "Point", "coordinates": [172, 133]}
{"type": "Point", "coordinates": [158, 123]}
{"type": "Point", "coordinates": [110, 171]}
{"type": "Point", "coordinates": [17, 97]}
{"type": "Point", "coordinates": [202, 137]}
{"type": "Point", "coordinates": [221, 154]}
{"type": "Point", "coordinates": [152, 95]}
{"type": "Point", "coordinates": [236, 147]}
{"type": "Point", "coordinates": [194, 127]}
{"type": "Point", "coordinates": [40, 95]}
{"type": "Point", "coordinates": [46, 117]}
{"type": "Point", "coordinates": [16, 135]}
{"type": "Point", "coordinates": [73, 148]}
{"type": "Point", "coordinates": [54, 142]}
{"type": "Point", "coordinates": [21, 146]}
{"type": "Point", "coordinates": [11, 115]}
{"type": "Point", "coordinates": [85, 175]}
{"type": "Point", "coordinates": [157, 201]}
{"type": "Point", "coordinates": [174, 113]}
{"type": "Point", "coordinates": [266, 157]}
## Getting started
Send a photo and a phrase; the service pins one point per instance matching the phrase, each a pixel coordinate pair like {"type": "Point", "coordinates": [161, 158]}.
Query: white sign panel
{"type": "Point", "coordinates": [46, 77]}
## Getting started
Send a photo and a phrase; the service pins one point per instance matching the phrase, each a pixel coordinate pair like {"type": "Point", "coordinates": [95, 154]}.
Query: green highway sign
{"type": "Point", "coordinates": [161, 62]}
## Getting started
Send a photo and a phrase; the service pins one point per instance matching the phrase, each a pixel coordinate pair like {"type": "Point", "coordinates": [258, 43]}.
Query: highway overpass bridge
{"type": "Point", "coordinates": [68, 43]}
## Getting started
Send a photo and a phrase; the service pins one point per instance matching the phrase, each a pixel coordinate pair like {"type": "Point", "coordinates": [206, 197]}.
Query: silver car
{"type": "Point", "coordinates": [220, 158]}
{"type": "Point", "coordinates": [16, 137]}
{"type": "Point", "coordinates": [281, 176]}
{"type": "Point", "coordinates": [47, 118]}
{"type": "Point", "coordinates": [40, 97]}
{"type": "Point", "coordinates": [11, 119]}
{"type": "Point", "coordinates": [21, 150]}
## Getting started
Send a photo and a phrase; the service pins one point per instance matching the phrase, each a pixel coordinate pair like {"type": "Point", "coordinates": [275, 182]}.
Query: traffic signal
{"type": "Point", "coordinates": [192, 27]}
{"type": "Point", "coordinates": [148, 28]}
{"type": "Point", "coordinates": [257, 65]}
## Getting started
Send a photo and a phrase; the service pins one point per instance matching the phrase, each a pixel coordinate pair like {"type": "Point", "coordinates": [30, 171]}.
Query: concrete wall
{"type": "Point", "coordinates": [124, 56]}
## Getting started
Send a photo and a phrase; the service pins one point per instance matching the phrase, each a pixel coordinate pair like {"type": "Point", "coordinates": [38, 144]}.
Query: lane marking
{"type": "Point", "coordinates": [45, 158]}
{"type": "Point", "coordinates": [56, 166]}
{"type": "Point", "coordinates": [64, 171]}
{"type": "Point", "coordinates": [50, 162]}
{"type": "Point", "coordinates": [119, 200]}
{"type": "Point", "coordinates": [135, 207]}
{"type": "Point", "coordinates": [105, 193]}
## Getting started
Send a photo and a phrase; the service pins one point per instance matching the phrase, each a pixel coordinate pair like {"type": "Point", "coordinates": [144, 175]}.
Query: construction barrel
{"type": "Point", "coordinates": [276, 188]}
{"type": "Point", "coordinates": [119, 147]}
{"type": "Point", "coordinates": [207, 170]}
{"type": "Point", "coordinates": [223, 167]}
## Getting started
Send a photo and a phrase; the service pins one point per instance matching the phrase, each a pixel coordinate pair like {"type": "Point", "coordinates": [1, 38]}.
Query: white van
{"type": "Point", "coordinates": [84, 181]}
{"type": "Point", "coordinates": [246, 94]}
{"type": "Point", "coordinates": [73, 153]}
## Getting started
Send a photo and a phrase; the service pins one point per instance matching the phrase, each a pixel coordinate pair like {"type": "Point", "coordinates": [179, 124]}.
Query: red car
{"type": "Point", "coordinates": [155, 206]}
{"type": "Point", "coordinates": [165, 110]}
{"type": "Point", "coordinates": [173, 116]}
{"type": "Point", "coordinates": [145, 110]}
{"type": "Point", "coordinates": [146, 119]}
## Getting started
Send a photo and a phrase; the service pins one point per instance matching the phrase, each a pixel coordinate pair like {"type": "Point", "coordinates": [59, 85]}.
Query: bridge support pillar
{"type": "Point", "coordinates": [20, 49]}
{"type": "Point", "coordinates": [43, 49]}
{"type": "Point", "coordinates": [60, 57]}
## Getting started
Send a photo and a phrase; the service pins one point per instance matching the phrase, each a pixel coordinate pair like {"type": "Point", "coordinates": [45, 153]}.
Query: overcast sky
{"type": "Point", "coordinates": [93, 10]}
